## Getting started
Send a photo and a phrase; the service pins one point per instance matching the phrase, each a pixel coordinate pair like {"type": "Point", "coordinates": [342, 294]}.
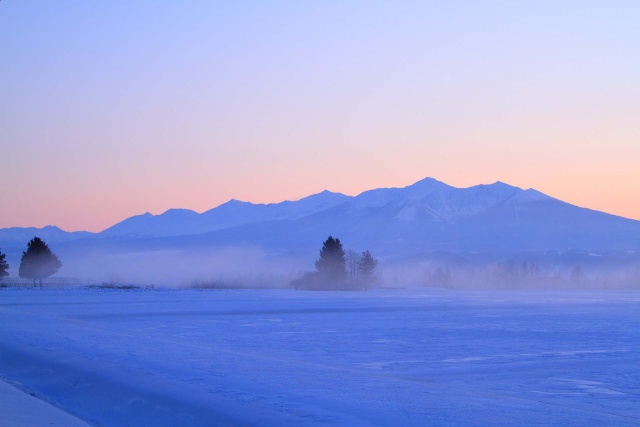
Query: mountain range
{"type": "Point", "coordinates": [417, 222]}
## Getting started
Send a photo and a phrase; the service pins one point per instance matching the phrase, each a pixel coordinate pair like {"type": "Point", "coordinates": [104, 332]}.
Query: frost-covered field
{"type": "Point", "coordinates": [394, 358]}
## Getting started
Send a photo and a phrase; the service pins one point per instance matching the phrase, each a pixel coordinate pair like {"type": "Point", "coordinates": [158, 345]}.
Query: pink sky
{"type": "Point", "coordinates": [108, 111]}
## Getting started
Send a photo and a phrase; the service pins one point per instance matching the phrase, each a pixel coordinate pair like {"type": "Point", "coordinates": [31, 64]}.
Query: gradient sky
{"type": "Point", "coordinates": [111, 109]}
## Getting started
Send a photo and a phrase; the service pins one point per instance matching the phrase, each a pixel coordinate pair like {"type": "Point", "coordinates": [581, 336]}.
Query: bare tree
{"type": "Point", "coordinates": [353, 265]}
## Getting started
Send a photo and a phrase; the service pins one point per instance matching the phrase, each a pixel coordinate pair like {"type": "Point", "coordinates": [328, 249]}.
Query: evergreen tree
{"type": "Point", "coordinates": [332, 263]}
{"type": "Point", "coordinates": [3, 266]}
{"type": "Point", "coordinates": [367, 269]}
{"type": "Point", "coordinates": [38, 261]}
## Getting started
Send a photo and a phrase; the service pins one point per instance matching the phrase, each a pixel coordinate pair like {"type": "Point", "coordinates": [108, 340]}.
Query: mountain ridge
{"type": "Point", "coordinates": [244, 212]}
{"type": "Point", "coordinates": [416, 222]}
{"type": "Point", "coordinates": [428, 195]}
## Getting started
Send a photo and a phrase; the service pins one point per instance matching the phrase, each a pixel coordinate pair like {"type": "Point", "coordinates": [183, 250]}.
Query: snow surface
{"type": "Point", "coordinates": [20, 409]}
{"type": "Point", "coordinates": [281, 357]}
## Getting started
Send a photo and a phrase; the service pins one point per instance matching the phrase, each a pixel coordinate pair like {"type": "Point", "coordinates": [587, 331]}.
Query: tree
{"type": "Point", "coordinates": [331, 265]}
{"type": "Point", "coordinates": [353, 265]}
{"type": "Point", "coordinates": [367, 269]}
{"type": "Point", "coordinates": [38, 261]}
{"type": "Point", "coordinates": [3, 266]}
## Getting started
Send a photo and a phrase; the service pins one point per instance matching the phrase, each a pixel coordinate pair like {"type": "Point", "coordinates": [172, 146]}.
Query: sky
{"type": "Point", "coordinates": [112, 109]}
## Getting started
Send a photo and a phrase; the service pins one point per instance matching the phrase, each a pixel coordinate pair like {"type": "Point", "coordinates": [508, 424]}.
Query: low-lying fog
{"type": "Point", "coordinates": [251, 267]}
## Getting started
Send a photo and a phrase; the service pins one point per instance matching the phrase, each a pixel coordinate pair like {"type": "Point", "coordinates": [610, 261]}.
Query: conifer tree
{"type": "Point", "coordinates": [38, 261]}
{"type": "Point", "coordinates": [332, 263]}
{"type": "Point", "coordinates": [4, 266]}
{"type": "Point", "coordinates": [367, 269]}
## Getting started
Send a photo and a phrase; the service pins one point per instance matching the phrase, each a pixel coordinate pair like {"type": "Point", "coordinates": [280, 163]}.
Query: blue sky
{"type": "Point", "coordinates": [114, 109]}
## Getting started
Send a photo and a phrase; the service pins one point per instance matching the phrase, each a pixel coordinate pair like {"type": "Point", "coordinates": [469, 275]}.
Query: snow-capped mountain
{"type": "Point", "coordinates": [427, 197]}
{"type": "Point", "coordinates": [414, 222]}
{"type": "Point", "coordinates": [175, 222]}
{"type": "Point", "coordinates": [426, 216]}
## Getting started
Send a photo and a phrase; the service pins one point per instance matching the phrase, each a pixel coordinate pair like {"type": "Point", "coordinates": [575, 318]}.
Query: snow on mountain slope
{"type": "Point", "coordinates": [495, 218]}
{"type": "Point", "coordinates": [529, 195]}
{"type": "Point", "coordinates": [451, 204]}
{"type": "Point", "coordinates": [172, 222]}
{"type": "Point", "coordinates": [464, 202]}
{"type": "Point", "coordinates": [408, 222]}
{"type": "Point", "coordinates": [382, 196]}
{"type": "Point", "coordinates": [233, 213]}
{"type": "Point", "coordinates": [425, 200]}
{"type": "Point", "coordinates": [236, 213]}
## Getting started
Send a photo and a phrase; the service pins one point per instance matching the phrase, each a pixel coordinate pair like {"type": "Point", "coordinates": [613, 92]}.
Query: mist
{"type": "Point", "coordinates": [233, 267]}
{"type": "Point", "coordinates": [511, 275]}
{"type": "Point", "coordinates": [254, 267]}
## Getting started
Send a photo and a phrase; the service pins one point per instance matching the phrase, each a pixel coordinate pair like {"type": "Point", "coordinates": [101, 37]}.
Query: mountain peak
{"type": "Point", "coordinates": [424, 188]}
{"type": "Point", "coordinates": [325, 195]}
{"type": "Point", "coordinates": [236, 202]}
{"type": "Point", "coordinates": [179, 213]}
{"type": "Point", "coordinates": [428, 180]}
{"type": "Point", "coordinates": [499, 185]}
{"type": "Point", "coordinates": [328, 193]}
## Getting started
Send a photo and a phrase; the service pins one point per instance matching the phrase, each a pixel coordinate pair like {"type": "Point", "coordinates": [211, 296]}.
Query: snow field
{"type": "Point", "coordinates": [387, 357]}
{"type": "Point", "coordinates": [20, 409]}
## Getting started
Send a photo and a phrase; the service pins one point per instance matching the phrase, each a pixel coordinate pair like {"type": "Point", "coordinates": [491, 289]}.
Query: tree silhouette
{"type": "Point", "coordinates": [38, 261]}
{"type": "Point", "coordinates": [353, 266]}
{"type": "Point", "coordinates": [3, 266]}
{"type": "Point", "coordinates": [367, 269]}
{"type": "Point", "coordinates": [332, 264]}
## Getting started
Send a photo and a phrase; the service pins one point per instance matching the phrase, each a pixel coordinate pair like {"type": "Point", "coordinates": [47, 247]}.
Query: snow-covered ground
{"type": "Point", "coordinates": [384, 358]}
{"type": "Point", "coordinates": [20, 409]}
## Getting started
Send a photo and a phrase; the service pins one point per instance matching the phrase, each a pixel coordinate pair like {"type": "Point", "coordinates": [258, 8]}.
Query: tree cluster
{"type": "Point", "coordinates": [339, 270]}
{"type": "Point", "coordinates": [37, 262]}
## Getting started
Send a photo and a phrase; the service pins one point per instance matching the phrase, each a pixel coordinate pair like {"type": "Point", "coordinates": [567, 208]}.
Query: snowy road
{"type": "Point", "coordinates": [387, 358]}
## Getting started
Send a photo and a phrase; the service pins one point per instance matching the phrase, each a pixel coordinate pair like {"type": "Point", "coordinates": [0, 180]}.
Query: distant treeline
{"type": "Point", "coordinates": [512, 274]}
